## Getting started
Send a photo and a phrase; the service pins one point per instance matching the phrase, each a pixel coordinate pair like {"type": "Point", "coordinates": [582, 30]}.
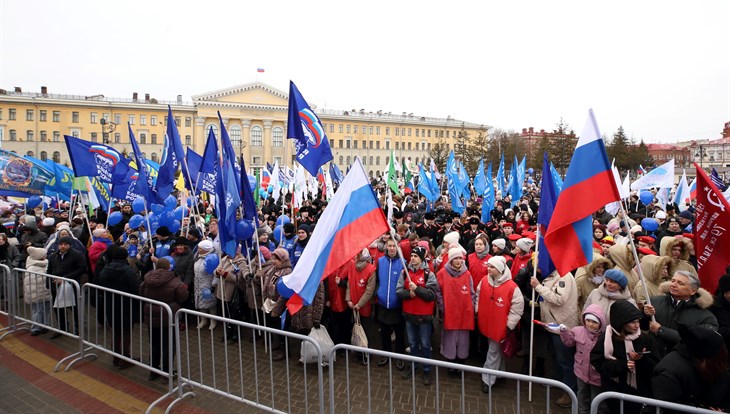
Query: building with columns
{"type": "Point", "coordinates": [255, 115]}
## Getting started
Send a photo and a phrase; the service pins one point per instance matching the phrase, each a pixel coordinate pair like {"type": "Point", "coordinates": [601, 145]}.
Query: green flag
{"type": "Point", "coordinates": [392, 179]}
{"type": "Point", "coordinates": [256, 190]}
{"type": "Point", "coordinates": [406, 172]}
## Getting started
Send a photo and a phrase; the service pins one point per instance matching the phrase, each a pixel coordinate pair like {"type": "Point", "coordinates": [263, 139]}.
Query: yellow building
{"type": "Point", "coordinates": [255, 115]}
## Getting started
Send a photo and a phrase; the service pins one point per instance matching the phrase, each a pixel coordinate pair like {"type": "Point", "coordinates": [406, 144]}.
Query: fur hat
{"type": "Point", "coordinates": [498, 262]}
{"type": "Point", "coordinates": [119, 253]}
{"type": "Point", "coordinates": [67, 240]}
{"type": "Point", "coordinates": [289, 228]}
{"type": "Point", "coordinates": [163, 231]}
{"type": "Point", "coordinates": [281, 254]}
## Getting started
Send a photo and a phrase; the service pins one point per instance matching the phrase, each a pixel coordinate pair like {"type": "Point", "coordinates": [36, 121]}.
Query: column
{"type": "Point", "coordinates": [200, 136]}
{"type": "Point", "coordinates": [267, 142]}
{"type": "Point", "coordinates": [246, 138]}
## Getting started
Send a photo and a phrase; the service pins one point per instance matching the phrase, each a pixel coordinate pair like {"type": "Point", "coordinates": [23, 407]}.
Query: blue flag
{"type": "Point", "coordinates": [21, 177]}
{"type": "Point", "coordinates": [464, 181]}
{"type": "Point", "coordinates": [144, 183]}
{"type": "Point", "coordinates": [556, 178]}
{"type": "Point", "coordinates": [480, 181]}
{"type": "Point", "coordinates": [423, 188]}
{"type": "Point", "coordinates": [432, 183]}
{"type": "Point", "coordinates": [193, 160]}
{"type": "Point", "coordinates": [489, 198]}
{"type": "Point", "coordinates": [227, 200]}
{"type": "Point", "coordinates": [453, 184]}
{"type": "Point", "coordinates": [515, 190]}
{"type": "Point", "coordinates": [548, 199]}
{"type": "Point", "coordinates": [172, 156]}
{"type": "Point", "coordinates": [228, 152]}
{"type": "Point", "coordinates": [247, 199]}
{"type": "Point", "coordinates": [303, 125]}
{"type": "Point", "coordinates": [90, 159]}
{"type": "Point", "coordinates": [336, 174]}
{"type": "Point", "coordinates": [208, 177]}
{"type": "Point", "coordinates": [500, 176]}
{"type": "Point", "coordinates": [62, 183]}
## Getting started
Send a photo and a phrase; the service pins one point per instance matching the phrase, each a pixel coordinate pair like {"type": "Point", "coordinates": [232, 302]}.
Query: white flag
{"type": "Point", "coordinates": [681, 197]}
{"type": "Point", "coordinates": [660, 177]}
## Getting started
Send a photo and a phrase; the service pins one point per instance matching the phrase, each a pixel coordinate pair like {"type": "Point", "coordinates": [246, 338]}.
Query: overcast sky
{"type": "Point", "coordinates": [659, 68]}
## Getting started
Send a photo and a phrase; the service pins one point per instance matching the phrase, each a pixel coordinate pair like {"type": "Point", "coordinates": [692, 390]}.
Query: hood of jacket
{"type": "Point", "coordinates": [651, 267]}
{"type": "Point", "coordinates": [597, 311]}
{"type": "Point", "coordinates": [702, 299]}
{"type": "Point", "coordinates": [37, 253]}
{"type": "Point", "coordinates": [621, 255]}
{"type": "Point", "coordinates": [158, 277]}
{"type": "Point", "coordinates": [598, 260]}
{"type": "Point", "coordinates": [667, 243]}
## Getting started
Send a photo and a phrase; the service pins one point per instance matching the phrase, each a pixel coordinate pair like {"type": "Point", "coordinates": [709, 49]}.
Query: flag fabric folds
{"type": "Point", "coordinates": [173, 155]}
{"type": "Point", "coordinates": [715, 177]}
{"type": "Point", "coordinates": [392, 177]}
{"type": "Point", "coordinates": [589, 185]}
{"type": "Point", "coordinates": [423, 188]}
{"type": "Point", "coordinates": [500, 176]}
{"type": "Point", "coordinates": [556, 177]}
{"type": "Point", "coordinates": [548, 199]}
{"type": "Point", "coordinates": [681, 196]}
{"type": "Point", "coordinates": [480, 181]}
{"type": "Point", "coordinates": [144, 181]}
{"type": "Point", "coordinates": [336, 174]}
{"type": "Point", "coordinates": [453, 184]}
{"type": "Point", "coordinates": [489, 197]}
{"type": "Point", "coordinates": [89, 159]}
{"type": "Point", "coordinates": [303, 125]}
{"type": "Point", "coordinates": [711, 226]}
{"type": "Point", "coordinates": [21, 177]}
{"type": "Point", "coordinates": [660, 177]}
{"type": "Point", "coordinates": [351, 221]}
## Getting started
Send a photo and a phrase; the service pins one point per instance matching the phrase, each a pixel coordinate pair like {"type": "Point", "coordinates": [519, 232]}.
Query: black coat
{"type": "Point", "coordinates": [72, 265]}
{"type": "Point", "coordinates": [118, 310]}
{"type": "Point", "coordinates": [721, 309]}
{"type": "Point", "coordinates": [613, 372]}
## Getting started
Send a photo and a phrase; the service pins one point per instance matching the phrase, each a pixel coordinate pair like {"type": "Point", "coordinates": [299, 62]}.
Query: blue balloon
{"type": "Point", "coordinates": [244, 229]}
{"type": "Point", "coordinates": [191, 201]}
{"type": "Point", "coordinates": [283, 289]}
{"type": "Point", "coordinates": [33, 201]}
{"type": "Point", "coordinates": [270, 189]}
{"type": "Point", "coordinates": [138, 205]}
{"type": "Point", "coordinates": [649, 224]}
{"type": "Point", "coordinates": [263, 193]}
{"type": "Point", "coordinates": [171, 260]}
{"type": "Point", "coordinates": [181, 211]}
{"type": "Point", "coordinates": [211, 263]}
{"type": "Point", "coordinates": [530, 171]}
{"type": "Point", "coordinates": [170, 202]}
{"type": "Point", "coordinates": [157, 208]}
{"type": "Point", "coordinates": [646, 197]}
{"type": "Point", "coordinates": [281, 220]}
{"type": "Point", "coordinates": [115, 218]}
{"type": "Point", "coordinates": [278, 233]}
{"type": "Point", "coordinates": [135, 221]}
{"type": "Point", "coordinates": [252, 182]}
{"type": "Point", "coordinates": [154, 223]}
{"type": "Point", "coordinates": [166, 219]}
{"type": "Point", "coordinates": [175, 226]}
{"type": "Point", "coordinates": [530, 181]}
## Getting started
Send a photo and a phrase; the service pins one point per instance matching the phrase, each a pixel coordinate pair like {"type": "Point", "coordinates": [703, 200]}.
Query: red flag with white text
{"type": "Point", "coordinates": [712, 232]}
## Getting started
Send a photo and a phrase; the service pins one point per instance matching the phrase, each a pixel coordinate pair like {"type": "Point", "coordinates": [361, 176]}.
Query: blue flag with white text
{"type": "Point", "coordinates": [313, 148]}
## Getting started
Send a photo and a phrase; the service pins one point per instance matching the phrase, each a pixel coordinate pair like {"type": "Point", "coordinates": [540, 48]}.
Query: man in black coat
{"type": "Point", "coordinates": [71, 264]}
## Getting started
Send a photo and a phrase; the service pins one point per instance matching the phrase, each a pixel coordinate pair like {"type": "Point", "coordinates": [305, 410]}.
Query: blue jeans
{"type": "Point", "coordinates": [564, 359]}
{"type": "Point", "coordinates": [419, 339]}
{"type": "Point", "coordinates": [40, 312]}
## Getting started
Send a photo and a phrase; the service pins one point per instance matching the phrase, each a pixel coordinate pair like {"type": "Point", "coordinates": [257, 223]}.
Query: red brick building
{"type": "Point", "coordinates": [662, 153]}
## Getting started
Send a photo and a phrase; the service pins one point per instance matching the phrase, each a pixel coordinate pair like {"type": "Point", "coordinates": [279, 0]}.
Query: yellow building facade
{"type": "Point", "coordinates": [255, 115]}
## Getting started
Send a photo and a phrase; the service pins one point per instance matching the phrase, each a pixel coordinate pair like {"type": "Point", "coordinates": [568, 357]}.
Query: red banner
{"type": "Point", "coordinates": [712, 232]}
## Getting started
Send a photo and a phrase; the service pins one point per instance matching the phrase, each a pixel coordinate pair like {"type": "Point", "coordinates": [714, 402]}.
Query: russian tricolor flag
{"type": "Point", "coordinates": [351, 221]}
{"type": "Point", "coordinates": [589, 184]}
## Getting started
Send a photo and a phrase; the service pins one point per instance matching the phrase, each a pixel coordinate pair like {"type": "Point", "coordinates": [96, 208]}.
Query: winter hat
{"type": "Point", "coordinates": [686, 214]}
{"type": "Point", "coordinates": [289, 228]}
{"type": "Point", "coordinates": [612, 227]}
{"type": "Point", "coordinates": [660, 215]}
{"type": "Point", "coordinates": [67, 240]}
{"type": "Point", "coordinates": [623, 312]}
{"type": "Point", "coordinates": [206, 245]}
{"type": "Point", "coordinates": [498, 262]}
{"type": "Point", "coordinates": [452, 237]}
{"type": "Point", "coordinates": [723, 284]}
{"type": "Point", "coordinates": [420, 252]}
{"type": "Point", "coordinates": [163, 231]}
{"type": "Point", "coordinates": [260, 232]}
{"type": "Point", "coordinates": [500, 243]}
{"type": "Point", "coordinates": [701, 342]}
{"type": "Point", "coordinates": [646, 251]}
{"type": "Point", "coordinates": [99, 233]}
{"type": "Point", "coordinates": [423, 243]}
{"type": "Point", "coordinates": [281, 254]}
{"type": "Point", "coordinates": [525, 244]}
{"type": "Point", "coordinates": [608, 240]}
{"type": "Point", "coordinates": [454, 253]}
{"type": "Point", "coordinates": [163, 263]}
{"type": "Point", "coordinates": [304, 227]}
{"type": "Point", "coordinates": [266, 253]}
{"type": "Point", "coordinates": [119, 253]}
{"type": "Point", "coordinates": [48, 222]}
{"type": "Point", "coordinates": [617, 276]}
{"type": "Point", "coordinates": [591, 317]}
{"type": "Point", "coordinates": [37, 253]}
{"type": "Point", "coordinates": [181, 241]}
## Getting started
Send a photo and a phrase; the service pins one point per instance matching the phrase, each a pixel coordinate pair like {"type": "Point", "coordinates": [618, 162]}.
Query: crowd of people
{"type": "Point", "coordinates": [473, 284]}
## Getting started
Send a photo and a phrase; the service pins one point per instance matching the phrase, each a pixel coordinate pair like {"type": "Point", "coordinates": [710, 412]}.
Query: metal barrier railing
{"type": "Point", "coordinates": [7, 299]}
{"type": "Point", "coordinates": [353, 397]}
{"type": "Point", "coordinates": [114, 326]}
{"type": "Point", "coordinates": [49, 303]}
{"type": "Point", "coordinates": [249, 375]}
{"type": "Point", "coordinates": [646, 402]}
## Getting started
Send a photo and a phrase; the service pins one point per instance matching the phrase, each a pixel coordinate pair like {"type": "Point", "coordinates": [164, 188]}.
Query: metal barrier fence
{"type": "Point", "coordinates": [7, 299]}
{"type": "Point", "coordinates": [45, 303]}
{"type": "Point", "coordinates": [250, 375]}
{"type": "Point", "coordinates": [361, 395]}
{"type": "Point", "coordinates": [645, 402]}
{"type": "Point", "coordinates": [114, 326]}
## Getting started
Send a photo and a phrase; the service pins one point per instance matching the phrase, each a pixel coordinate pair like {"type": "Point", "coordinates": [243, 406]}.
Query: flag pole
{"type": "Point", "coordinates": [636, 259]}
{"type": "Point", "coordinates": [532, 312]}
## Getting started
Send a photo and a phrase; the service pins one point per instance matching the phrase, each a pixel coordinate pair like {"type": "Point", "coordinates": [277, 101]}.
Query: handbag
{"type": "Point", "coordinates": [509, 344]}
{"type": "Point", "coordinates": [308, 354]}
{"type": "Point", "coordinates": [358, 333]}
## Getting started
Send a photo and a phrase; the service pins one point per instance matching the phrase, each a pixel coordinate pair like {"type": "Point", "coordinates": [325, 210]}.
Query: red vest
{"type": "Point", "coordinates": [358, 283]}
{"type": "Point", "coordinates": [416, 305]}
{"type": "Point", "coordinates": [444, 260]}
{"type": "Point", "coordinates": [458, 307]}
{"type": "Point", "coordinates": [519, 262]}
{"type": "Point", "coordinates": [336, 292]}
{"type": "Point", "coordinates": [494, 305]}
{"type": "Point", "coordinates": [477, 267]}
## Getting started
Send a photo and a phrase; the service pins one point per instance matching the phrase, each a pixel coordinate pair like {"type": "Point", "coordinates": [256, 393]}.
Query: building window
{"type": "Point", "coordinates": [188, 121]}
{"type": "Point", "coordinates": [371, 144]}
{"type": "Point", "coordinates": [278, 135]}
{"type": "Point", "coordinates": [93, 116]}
{"type": "Point", "coordinates": [143, 119]}
{"type": "Point", "coordinates": [377, 130]}
{"type": "Point", "coordinates": [235, 136]}
{"type": "Point", "coordinates": [341, 159]}
{"type": "Point", "coordinates": [387, 130]}
{"type": "Point", "coordinates": [153, 137]}
{"type": "Point", "coordinates": [416, 131]}
{"type": "Point", "coordinates": [93, 137]}
{"type": "Point", "coordinates": [429, 133]}
{"type": "Point", "coordinates": [76, 133]}
{"type": "Point", "coordinates": [409, 146]}
{"type": "Point", "coordinates": [188, 140]}
{"type": "Point", "coordinates": [44, 136]}
{"type": "Point", "coordinates": [377, 144]}
{"type": "Point", "coordinates": [347, 144]}
{"type": "Point", "coordinates": [56, 116]}
{"type": "Point", "coordinates": [447, 134]}
{"type": "Point", "coordinates": [44, 156]}
{"type": "Point", "coordinates": [117, 119]}
{"type": "Point", "coordinates": [354, 129]}
{"type": "Point", "coordinates": [28, 114]}
{"type": "Point", "coordinates": [75, 117]}
{"type": "Point", "coordinates": [387, 145]}
{"type": "Point", "coordinates": [364, 160]}
{"type": "Point", "coordinates": [29, 135]}
{"type": "Point", "coordinates": [13, 135]}
{"type": "Point", "coordinates": [153, 120]}
{"type": "Point", "coordinates": [11, 115]}
{"type": "Point", "coordinates": [339, 144]}
{"type": "Point", "coordinates": [332, 128]}
{"type": "Point", "coordinates": [347, 161]}
{"type": "Point", "coordinates": [117, 138]}
{"type": "Point", "coordinates": [56, 136]}
{"type": "Point", "coordinates": [178, 121]}
{"type": "Point", "coordinates": [340, 125]}
{"type": "Point", "coordinates": [387, 160]}
{"type": "Point", "coordinates": [348, 128]}
{"type": "Point", "coordinates": [377, 160]}
{"type": "Point", "coordinates": [30, 154]}
{"type": "Point", "coordinates": [397, 132]}
{"type": "Point", "coordinates": [131, 119]}
{"type": "Point", "coordinates": [154, 157]}
{"type": "Point", "coordinates": [256, 137]}
{"type": "Point", "coordinates": [396, 146]}
{"type": "Point", "coordinates": [371, 160]}
{"type": "Point", "coordinates": [256, 161]}
{"type": "Point", "coordinates": [106, 117]}
{"type": "Point", "coordinates": [143, 138]}
{"type": "Point", "coordinates": [43, 115]}
{"type": "Point", "coordinates": [403, 131]}
{"type": "Point", "coordinates": [370, 130]}
{"type": "Point", "coordinates": [354, 143]}
{"type": "Point", "coordinates": [57, 157]}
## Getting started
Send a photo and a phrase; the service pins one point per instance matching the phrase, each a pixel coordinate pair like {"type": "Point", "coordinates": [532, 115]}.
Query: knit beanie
{"type": "Point", "coordinates": [454, 253]}
{"type": "Point", "coordinates": [498, 262]}
{"type": "Point", "coordinates": [500, 243]}
{"type": "Point", "coordinates": [623, 312]}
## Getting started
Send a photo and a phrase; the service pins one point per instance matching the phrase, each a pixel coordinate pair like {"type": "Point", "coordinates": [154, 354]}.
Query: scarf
{"type": "Point", "coordinates": [454, 273]}
{"type": "Point", "coordinates": [628, 343]}
{"type": "Point", "coordinates": [483, 254]}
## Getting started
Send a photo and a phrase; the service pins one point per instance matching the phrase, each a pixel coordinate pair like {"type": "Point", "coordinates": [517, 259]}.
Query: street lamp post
{"type": "Point", "coordinates": [106, 129]}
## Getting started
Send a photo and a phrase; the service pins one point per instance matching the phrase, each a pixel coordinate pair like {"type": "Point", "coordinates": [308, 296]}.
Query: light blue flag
{"type": "Point", "coordinates": [489, 196]}
{"type": "Point", "coordinates": [480, 181]}
{"type": "Point", "coordinates": [515, 190]}
{"type": "Point", "coordinates": [556, 178]}
{"type": "Point", "coordinates": [464, 181]}
{"type": "Point", "coordinates": [500, 176]}
{"type": "Point", "coordinates": [453, 184]}
{"type": "Point", "coordinates": [423, 188]}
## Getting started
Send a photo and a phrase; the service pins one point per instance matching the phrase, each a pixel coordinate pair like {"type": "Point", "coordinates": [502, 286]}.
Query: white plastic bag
{"type": "Point", "coordinates": [64, 296]}
{"type": "Point", "coordinates": [322, 338]}
{"type": "Point", "coordinates": [358, 333]}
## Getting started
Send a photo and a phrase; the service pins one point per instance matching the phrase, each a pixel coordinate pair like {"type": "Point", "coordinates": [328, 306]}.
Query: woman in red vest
{"type": "Point", "coordinates": [499, 306]}
{"type": "Point", "coordinates": [360, 291]}
{"type": "Point", "coordinates": [477, 261]}
{"type": "Point", "coordinates": [455, 299]}
{"type": "Point", "coordinates": [340, 324]}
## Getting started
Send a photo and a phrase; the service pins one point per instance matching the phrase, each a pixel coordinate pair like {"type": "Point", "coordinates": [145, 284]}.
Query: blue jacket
{"type": "Point", "coordinates": [389, 270]}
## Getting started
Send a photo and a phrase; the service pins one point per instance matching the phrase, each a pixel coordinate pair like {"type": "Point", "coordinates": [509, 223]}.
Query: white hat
{"type": "Point", "coordinates": [452, 237]}
{"type": "Point", "coordinates": [48, 222]}
{"type": "Point", "coordinates": [206, 245]}
{"type": "Point", "coordinates": [499, 243]}
{"type": "Point", "coordinates": [498, 262]}
{"type": "Point", "coordinates": [660, 215]}
{"type": "Point", "coordinates": [525, 244]}
{"type": "Point", "coordinates": [454, 253]}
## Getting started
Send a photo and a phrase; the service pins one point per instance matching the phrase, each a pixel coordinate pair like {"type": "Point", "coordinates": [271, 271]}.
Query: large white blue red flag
{"type": "Point", "coordinates": [589, 185]}
{"type": "Point", "coordinates": [352, 220]}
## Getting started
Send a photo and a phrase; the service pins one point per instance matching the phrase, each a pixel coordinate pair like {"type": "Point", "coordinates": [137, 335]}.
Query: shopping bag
{"type": "Point", "coordinates": [64, 296]}
{"type": "Point", "coordinates": [509, 344]}
{"type": "Point", "coordinates": [308, 354]}
{"type": "Point", "coordinates": [358, 333]}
